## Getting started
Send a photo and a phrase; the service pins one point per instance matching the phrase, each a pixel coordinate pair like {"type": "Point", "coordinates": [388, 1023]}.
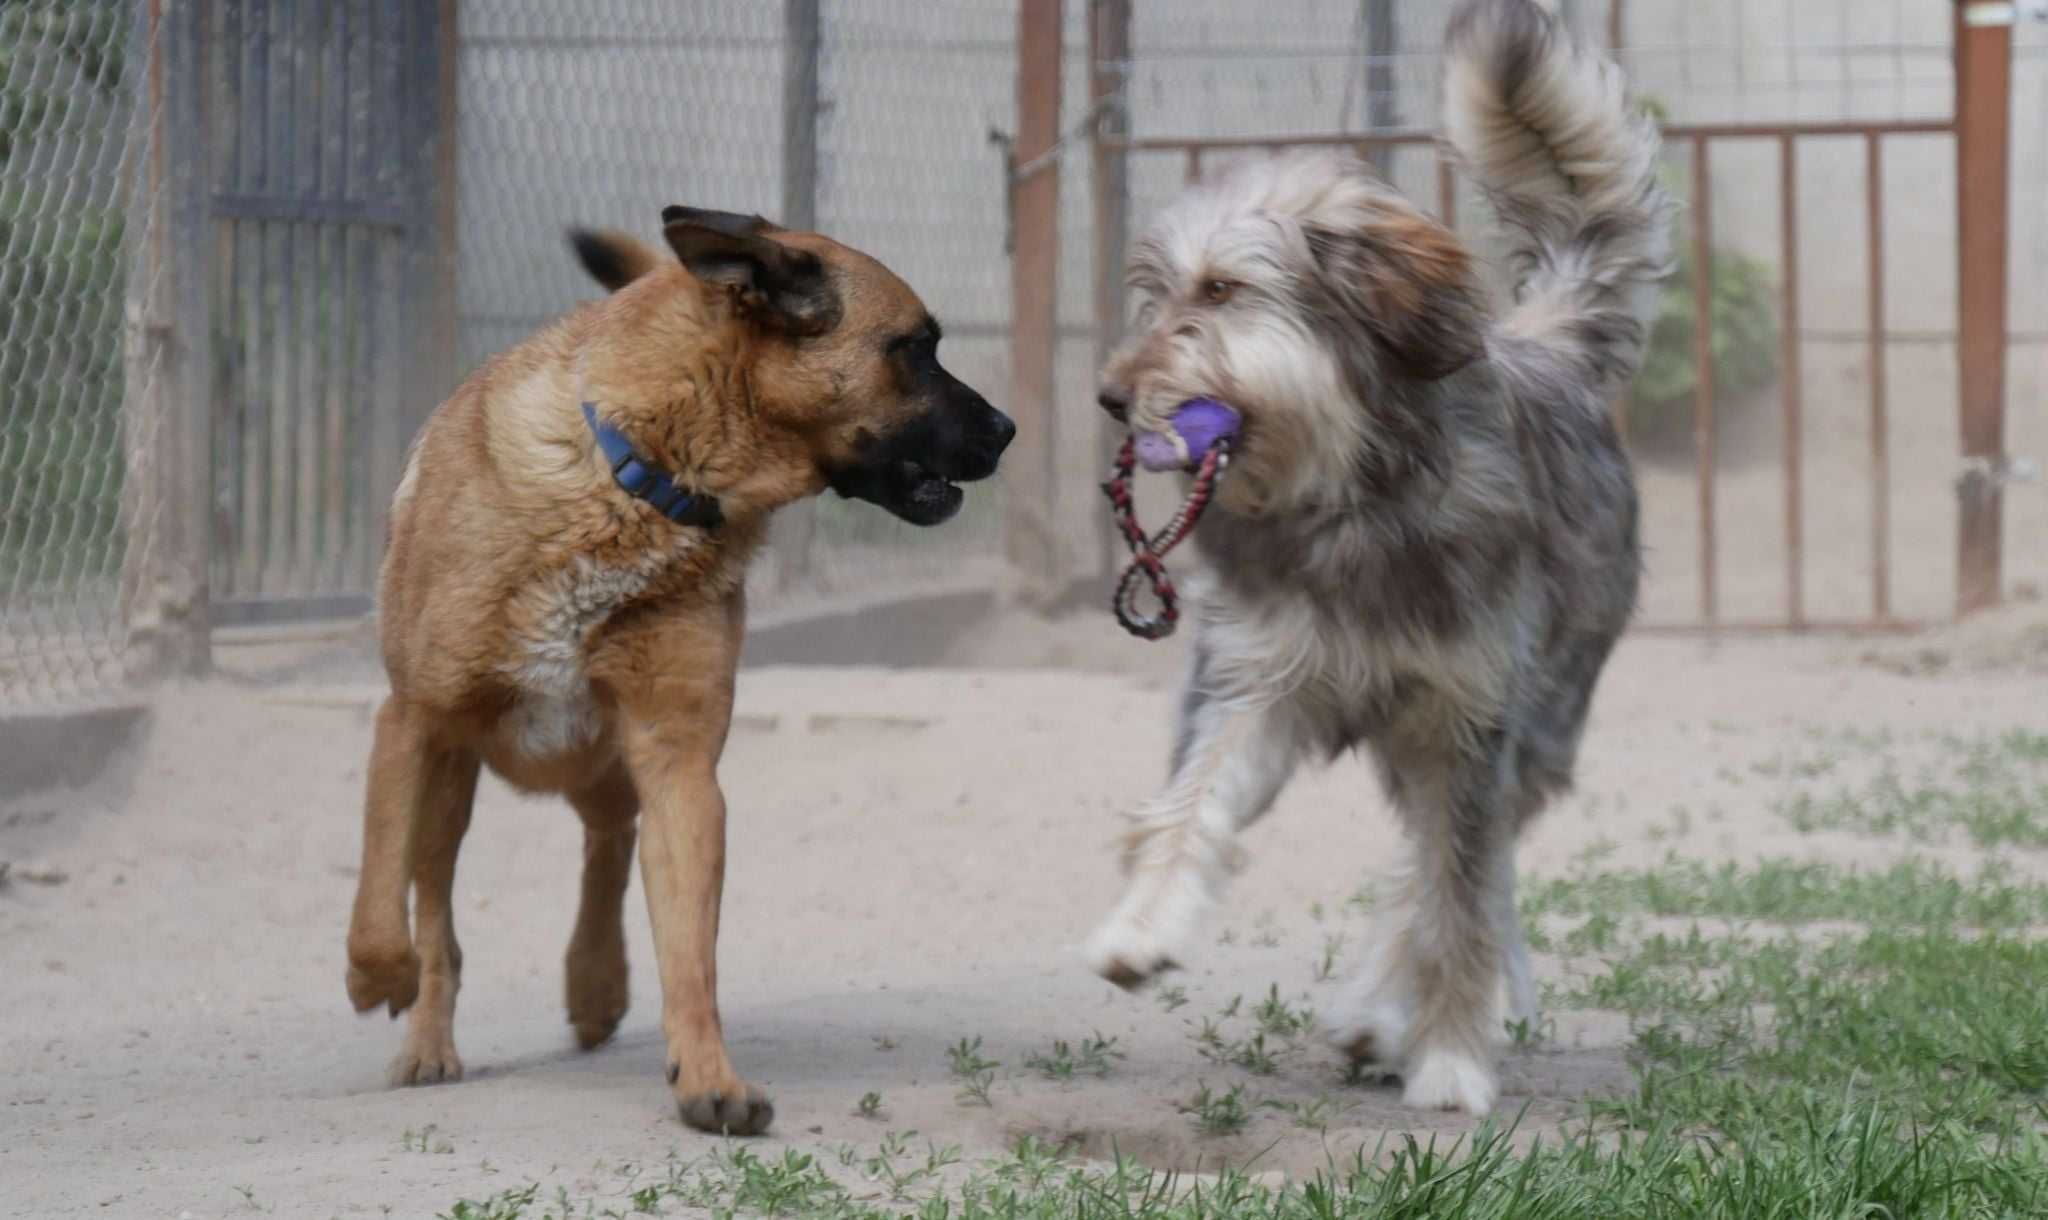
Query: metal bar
{"type": "Point", "coordinates": [336, 388]}
{"type": "Point", "coordinates": [801, 33]}
{"type": "Point", "coordinates": [385, 340]}
{"type": "Point", "coordinates": [1983, 165]}
{"type": "Point", "coordinates": [225, 477]}
{"type": "Point", "coordinates": [146, 409]}
{"type": "Point", "coordinates": [358, 58]}
{"type": "Point", "coordinates": [332, 555]}
{"type": "Point", "coordinates": [1703, 381]}
{"type": "Point", "coordinates": [447, 326]}
{"type": "Point", "coordinates": [188, 445]}
{"type": "Point", "coordinates": [372, 213]}
{"type": "Point", "coordinates": [1382, 108]}
{"type": "Point", "coordinates": [248, 611]}
{"type": "Point", "coordinates": [289, 464]}
{"type": "Point", "coordinates": [1109, 49]}
{"type": "Point", "coordinates": [1880, 440]}
{"type": "Point", "coordinates": [249, 455]}
{"type": "Point", "coordinates": [1030, 535]}
{"type": "Point", "coordinates": [1789, 384]}
{"type": "Point", "coordinates": [260, 409]}
{"type": "Point", "coordinates": [377, 426]}
{"type": "Point", "coordinates": [1193, 173]}
{"type": "Point", "coordinates": [1446, 193]}
{"type": "Point", "coordinates": [1617, 39]}
{"type": "Point", "coordinates": [796, 528]}
{"type": "Point", "coordinates": [1420, 135]}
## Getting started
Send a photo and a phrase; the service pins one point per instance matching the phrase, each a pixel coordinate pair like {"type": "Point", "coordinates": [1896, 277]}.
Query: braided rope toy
{"type": "Point", "coordinates": [1201, 427]}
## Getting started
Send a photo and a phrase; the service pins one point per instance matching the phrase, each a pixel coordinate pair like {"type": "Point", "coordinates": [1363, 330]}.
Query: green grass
{"type": "Point", "coordinates": [1786, 891]}
{"type": "Point", "coordinates": [1094, 1056]}
{"type": "Point", "coordinates": [1806, 1040]}
{"type": "Point", "coordinates": [975, 1074]}
{"type": "Point", "coordinates": [1990, 789]}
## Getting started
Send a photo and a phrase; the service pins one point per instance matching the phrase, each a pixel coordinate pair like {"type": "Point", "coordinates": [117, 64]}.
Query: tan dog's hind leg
{"type": "Point", "coordinates": [596, 962]}
{"type": "Point", "coordinates": [428, 1056]}
{"type": "Point", "coordinates": [382, 968]}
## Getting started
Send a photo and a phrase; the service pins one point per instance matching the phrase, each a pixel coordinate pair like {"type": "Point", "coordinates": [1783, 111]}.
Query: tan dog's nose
{"type": "Point", "coordinates": [1116, 400]}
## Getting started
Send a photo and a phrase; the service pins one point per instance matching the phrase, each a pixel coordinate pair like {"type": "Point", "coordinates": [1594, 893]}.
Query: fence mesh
{"type": "Point", "coordinates": [591, 112]}
{"type": "Point", "coordinates": [73, 141]}
{"type": "Point", "coordinates": [1208, 69]}
{"type": "Point", "coordinates": [386, 185]}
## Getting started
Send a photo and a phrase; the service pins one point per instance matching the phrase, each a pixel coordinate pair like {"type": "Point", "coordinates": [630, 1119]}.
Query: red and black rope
{"type": "Point", "coordinates": [1148, 554]}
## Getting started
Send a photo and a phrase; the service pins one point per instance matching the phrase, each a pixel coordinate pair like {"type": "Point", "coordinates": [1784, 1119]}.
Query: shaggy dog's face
{"type": "Point", "coordinates": [1302, 291]}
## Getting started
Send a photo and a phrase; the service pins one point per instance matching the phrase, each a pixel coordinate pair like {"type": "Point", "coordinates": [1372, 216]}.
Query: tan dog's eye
{"type": "Point", "coordinates": [1216, 292]}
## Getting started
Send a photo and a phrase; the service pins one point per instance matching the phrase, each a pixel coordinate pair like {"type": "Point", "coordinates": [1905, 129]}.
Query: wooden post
{"type": "Point", "coordinates": [447, 322]}
{"type": "Point", "coordinates": [1382, 103]}
{"type": "Point", "coordinates": [801, 34]}
{"type": "Point", "coordinates": [1617, 35]}
{"type": "Point", "coordinates": [1031, 489]}
{"type": "Point", "coordinates": [796, 527]}
{"type": "Point", "coordinates": [1983, 36]}
{"type": "Point", "coordinates": [1703, 432]}
{"type": "Point", "coordinates": [1789, 383]}
{"type": "Point", "coordinates": [1109, 53]}
{"type": "Point", "coordinates": [168, 396]}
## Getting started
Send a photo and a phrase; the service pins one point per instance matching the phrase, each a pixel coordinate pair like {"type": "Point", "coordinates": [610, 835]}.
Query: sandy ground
{"type": "Point", "coordinates": [914, 857]}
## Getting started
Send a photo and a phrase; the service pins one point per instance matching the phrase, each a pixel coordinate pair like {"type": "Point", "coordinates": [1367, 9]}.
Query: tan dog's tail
{"type": "Point", "coordinates": [612, 258]}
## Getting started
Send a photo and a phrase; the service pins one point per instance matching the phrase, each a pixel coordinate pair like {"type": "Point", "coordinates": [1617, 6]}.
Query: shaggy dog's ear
{"type": "Point", "coordinates": [1406, 281]}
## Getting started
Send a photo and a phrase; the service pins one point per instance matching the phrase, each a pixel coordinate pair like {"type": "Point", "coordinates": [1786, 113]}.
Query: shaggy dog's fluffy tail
{"type": "Point", "coordinates": [1547, 128]}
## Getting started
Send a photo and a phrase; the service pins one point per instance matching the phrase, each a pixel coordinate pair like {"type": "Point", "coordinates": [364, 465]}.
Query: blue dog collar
{"type": "Point", "coordinates": [643, 480]}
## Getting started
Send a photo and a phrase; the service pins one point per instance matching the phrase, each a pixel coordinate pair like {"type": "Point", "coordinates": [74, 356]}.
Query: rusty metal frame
{"type": "Point", "coordinates": [1698, 139]}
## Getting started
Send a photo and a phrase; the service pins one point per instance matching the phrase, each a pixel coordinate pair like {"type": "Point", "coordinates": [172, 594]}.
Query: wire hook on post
{"type": "Point", "coordinates": [1016, 175]}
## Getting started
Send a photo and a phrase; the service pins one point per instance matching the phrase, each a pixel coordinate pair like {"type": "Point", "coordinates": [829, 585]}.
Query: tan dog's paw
{"type": "Point", "coordinates": [740, 1110]}
{"type": "Point", "coordinates": [598, 996]}
{"type": "Point", "coordinates": [390, 979]}
{"type": "Point", "coordinates": [426, 1060]}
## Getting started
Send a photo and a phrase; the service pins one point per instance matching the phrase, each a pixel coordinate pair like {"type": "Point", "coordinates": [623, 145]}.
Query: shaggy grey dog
{"type": "Point", "coordinates": [1426, 543]}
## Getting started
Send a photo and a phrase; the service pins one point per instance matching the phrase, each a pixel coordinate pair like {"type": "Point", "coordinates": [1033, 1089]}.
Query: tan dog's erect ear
{"type": "Point", "coordinates": [779, 285]}
{"type": "Point", "coordinates": [733, 224]}
{"type": "Point", "coordinates": [1407, 281]}
{"type": "Point", "coordinates": [612, 258]}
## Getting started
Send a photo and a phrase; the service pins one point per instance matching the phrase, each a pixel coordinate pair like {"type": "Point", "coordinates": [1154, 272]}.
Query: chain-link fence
{"type": "Point", "coordinates": [75, 226]}
{"type": "Point", "coordinates": [245, 246]}
{"type": "Point", "coordinates": [867, 120]}
{"type": "Point", "coordinates": [1873, 509]}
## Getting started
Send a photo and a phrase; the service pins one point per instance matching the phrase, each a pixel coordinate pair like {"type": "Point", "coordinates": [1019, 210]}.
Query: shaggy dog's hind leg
{"type": "Point", "coordinates": [1428, 1002]}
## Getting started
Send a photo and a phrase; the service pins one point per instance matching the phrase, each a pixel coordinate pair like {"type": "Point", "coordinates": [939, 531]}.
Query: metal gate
{"type": "Point", "coordinates": [321, 118]}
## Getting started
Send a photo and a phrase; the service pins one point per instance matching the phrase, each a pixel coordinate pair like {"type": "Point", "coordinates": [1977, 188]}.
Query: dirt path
{"type": "Point", "coordinates": [914, 857]}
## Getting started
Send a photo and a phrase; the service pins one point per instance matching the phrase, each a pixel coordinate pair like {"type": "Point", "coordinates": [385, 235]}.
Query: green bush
{"type": "Point", "coordinates": [1741, 303]}
{"type": "Point", "coordinates": [1744, 344]}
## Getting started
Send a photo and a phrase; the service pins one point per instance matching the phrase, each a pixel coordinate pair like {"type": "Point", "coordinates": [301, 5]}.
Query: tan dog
{"type": "Point", "coordinates": [561, 599]}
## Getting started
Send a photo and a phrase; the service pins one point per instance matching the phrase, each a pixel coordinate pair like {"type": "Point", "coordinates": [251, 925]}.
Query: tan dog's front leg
{"type": "Point", "coordinates": [382, 967]}
{"type": "Point", "coordinates": [682, 864]}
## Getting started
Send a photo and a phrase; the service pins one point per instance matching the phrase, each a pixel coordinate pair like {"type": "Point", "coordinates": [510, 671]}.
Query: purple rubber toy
{"type": "Point", "coordinates": [1198, 424]}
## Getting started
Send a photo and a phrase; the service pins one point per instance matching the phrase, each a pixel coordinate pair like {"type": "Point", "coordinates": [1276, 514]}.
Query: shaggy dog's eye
{"type": "Point", "coordinates": [1216, 292]}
